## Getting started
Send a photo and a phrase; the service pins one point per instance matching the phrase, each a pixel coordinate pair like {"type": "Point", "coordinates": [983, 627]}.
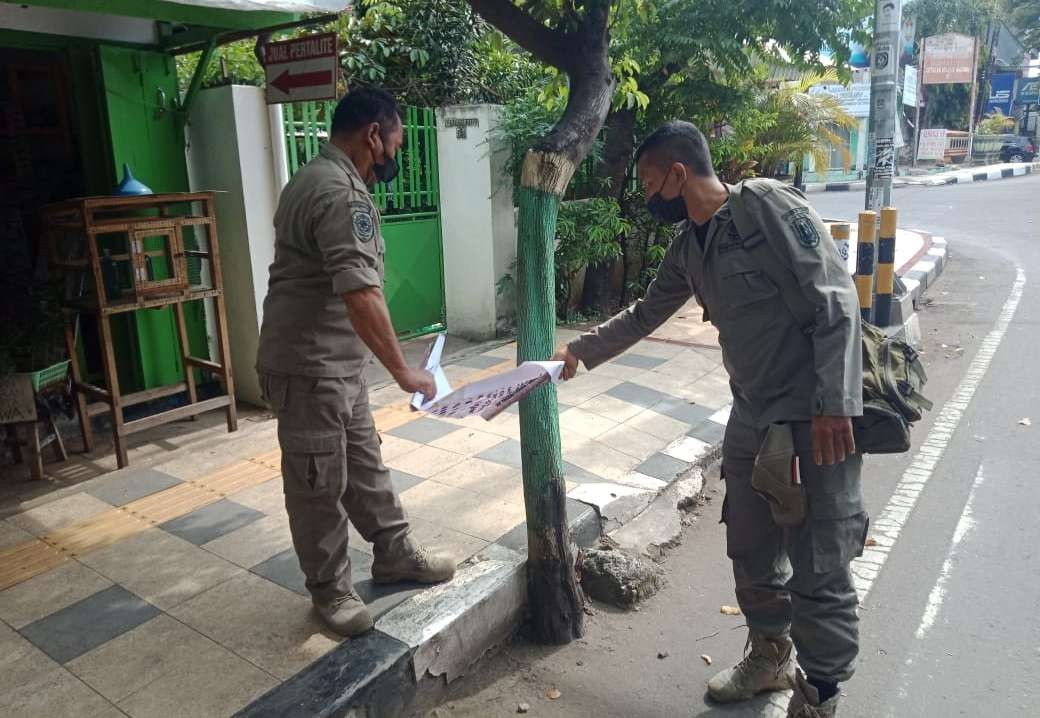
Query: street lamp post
{"type": "Point", "coordinates": [883, 103]}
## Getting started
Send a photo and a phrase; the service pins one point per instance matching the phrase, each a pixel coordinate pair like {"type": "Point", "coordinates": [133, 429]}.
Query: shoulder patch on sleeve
{"type": "Point", "coordinates": [801, 224]}
{"type": "Point", "coordinates": [363, 224]}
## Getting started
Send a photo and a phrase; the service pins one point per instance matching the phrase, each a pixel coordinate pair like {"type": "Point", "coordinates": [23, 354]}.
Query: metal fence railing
{"type": "Point", "coordinates": [415, 189]}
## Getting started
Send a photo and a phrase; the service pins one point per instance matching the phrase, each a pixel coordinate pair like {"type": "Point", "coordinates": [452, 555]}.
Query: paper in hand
{"type": "Point", "coordinates": [432, 364]}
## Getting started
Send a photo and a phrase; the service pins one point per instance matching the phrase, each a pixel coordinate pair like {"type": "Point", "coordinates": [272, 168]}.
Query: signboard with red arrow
{"type": "Point", "coordinates": [305, 68]}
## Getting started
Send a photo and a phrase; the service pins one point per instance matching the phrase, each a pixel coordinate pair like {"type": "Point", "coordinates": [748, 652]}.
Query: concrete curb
{"type": "Point", "coordinates": [432, 638]}
{"type": "Point", "coordinates": [1005, 171]}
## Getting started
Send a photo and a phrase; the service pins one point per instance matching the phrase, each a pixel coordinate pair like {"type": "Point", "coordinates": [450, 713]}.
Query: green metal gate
{"type": "Point", "coordinates": [410, 206]}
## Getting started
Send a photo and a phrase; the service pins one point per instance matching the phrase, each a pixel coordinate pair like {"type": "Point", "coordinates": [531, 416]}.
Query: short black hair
{"type": "Point", "coordinates": [364, 106]}
{"type": "Point", "coordinates": [678, 141]}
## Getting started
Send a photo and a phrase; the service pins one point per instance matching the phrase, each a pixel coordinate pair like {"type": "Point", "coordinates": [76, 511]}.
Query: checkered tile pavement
{"type": "Point", "coordinates": [144, 595]}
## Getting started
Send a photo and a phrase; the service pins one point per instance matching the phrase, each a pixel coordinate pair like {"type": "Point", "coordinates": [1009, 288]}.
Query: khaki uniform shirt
{"type": "Point", "coordinates": [778, 370]}
{"type": "Point", "coordinates": [327, 243]}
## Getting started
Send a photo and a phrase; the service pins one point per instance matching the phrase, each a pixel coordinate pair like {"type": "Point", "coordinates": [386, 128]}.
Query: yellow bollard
{"type": "Point", "coordinates": [840, 235]}
{"type": "Point", "coordinates": [886, 267]}
{"type": "Point", "coordinates": [865, 262]}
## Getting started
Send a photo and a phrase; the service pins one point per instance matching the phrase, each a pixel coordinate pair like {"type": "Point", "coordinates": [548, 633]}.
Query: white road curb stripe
{"type": "Point", "coordinates": [887, 526]}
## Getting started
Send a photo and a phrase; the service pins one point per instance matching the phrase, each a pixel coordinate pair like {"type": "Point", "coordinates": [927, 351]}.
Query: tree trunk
{"type": "Point", "coordinates": [619, 142]}
{"type": "Point", "coordinates": [555, 599]}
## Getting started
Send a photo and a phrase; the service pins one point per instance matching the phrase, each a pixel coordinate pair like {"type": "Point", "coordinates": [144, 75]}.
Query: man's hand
{"type": "Point", "coordinates": [570, 363]}
{"type": "Point", "coordinates": [417, 380]}
{"type": "Point", "coordinates": [832, 439]}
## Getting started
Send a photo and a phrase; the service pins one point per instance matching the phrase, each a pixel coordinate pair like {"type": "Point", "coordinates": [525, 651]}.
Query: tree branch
{"type": "Point", "coordinates": [546, 44]}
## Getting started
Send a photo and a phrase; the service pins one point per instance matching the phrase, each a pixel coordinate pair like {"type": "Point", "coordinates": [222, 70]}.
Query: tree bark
{"type": "Point", "coordinates": [556, 602]}
{"type": "Point", "coordinates": [619, 142]}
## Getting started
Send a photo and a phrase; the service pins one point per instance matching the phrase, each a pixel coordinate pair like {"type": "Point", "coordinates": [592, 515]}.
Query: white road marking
{"type": "Point", "coordinates": [964, 527]}
{"type": "Point", "coordinates": [893, 517]}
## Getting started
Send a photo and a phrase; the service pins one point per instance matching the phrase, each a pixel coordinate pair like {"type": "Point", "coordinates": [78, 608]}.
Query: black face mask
{"type": "Point", "coordinates": [667, 211]}
{"type": "Point", "coordinates": [386, 171]}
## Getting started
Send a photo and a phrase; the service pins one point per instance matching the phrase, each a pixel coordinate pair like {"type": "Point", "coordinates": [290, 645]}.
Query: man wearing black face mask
{"type": "Point", "coordinates": [324, 317]}
{"type": "Point", "coordinates": [795, 389]}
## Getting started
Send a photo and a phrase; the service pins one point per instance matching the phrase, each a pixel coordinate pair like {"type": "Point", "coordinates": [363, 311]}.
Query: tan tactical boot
{"type": "Point", "coordinates": [767, 666]}
{"type": "Point", "coordinates": [347, 615]}
{"type": "Point", "coordinates": [412, 562]}
{"type": "Point", "coordinates": [805, 703]}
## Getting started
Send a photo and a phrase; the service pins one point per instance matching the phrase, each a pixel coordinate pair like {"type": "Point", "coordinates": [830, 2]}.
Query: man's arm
{"type": "Point", "coordinates": [352, 265]}
{"type": "Point", "coordinates": [371, 319]}
{"type": "Point", "coordinates": [803, 241]}
{"type": "Point", "coordinates": [669, 290]}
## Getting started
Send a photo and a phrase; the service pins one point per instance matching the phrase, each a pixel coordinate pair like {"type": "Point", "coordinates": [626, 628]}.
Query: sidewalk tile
{"type": "Point", "coordinates": [507, 453]}
{"type": "Point", "coordinates": [613, 370]}
{"type": "Point", "coordinates": [11, 535]}
{"type": "Point", "coordinates": [617, 410]}
{"type": "Point", "coordinates": [88, 623]}
{"type": "Point", "coordinates": [674, 387]}
{"type": "Point", "coordinates": [602, 460]}
{"type": "Point", "coordinates": [483, 477]}
{"type": "Point", "coordinates": [58, 514]}
{"type": "Point", "coordinates": [32, 685]}
{"type": "Point", "coordinates": [423, 431]}
{"type": "Point", "coordinates": [266, 624]}
{"type": "Point", "coordinates": [584, 387]}
{"type": "Point", "coordinates": [638, 361]}
{"type": "Point", "coordinates": [457, 544]}
{"type": "Point", "coordinates": [403, 481]}
{"type": "Point", "coordinates": [687, 449]}
{"type": "Point", "coordinates": [506, 425]}
{"type": "Point", "coordinates": [464, 511]}
{"type": "Point", "coordinates": [394, 447]}
{"type": "Point", "coordinates": [506, 351]}
{"type": "Point", "coordinates": [659, 425]}
{"type": "Point", "coordinates": [253, 543]}
{"type": "Point", "coordinates": [633, 442]}
{"type": "Point", "coordinates": [131, 484]}
{"type": "Point", "coordinates": [656, 349]}
{"type": "Point", "coordinates": [642, 396]}
{"type": "Point", "coordinates": [131, 661]}
{"type": "Point", "coordinates": [685, 411]}
{"type": "Point", "coordinates": [479, 361]}
{"type": "Point", "coordinates": [663, 467]}
{"type": "Point", "coordinates": [712, 390]}
{"type": "Point", "coordinates": [49, 592]}
{"type": "Point", "coordinates": [688, 365]}
{"type": "Point", "coordinates": [709, 431]}
{"type": "Point", "coordinates": [211, 522]}
{"type": "Point", "coordinates": [178, 673]}
{"type": "Point", "coordinates": [578, 475]}
{"type": "Point", "coordinates": [467, 441]}
{"type": "Point", "coordinates": [267, 498]}
{"type": "Point", "coordinates": [161, 568]}
{"type": "Point", "coordinates": [425, 461]}
{"type": "Point", "coordinates": [585, 423]}
{"type": "Point", "coordinates": [284, 569]}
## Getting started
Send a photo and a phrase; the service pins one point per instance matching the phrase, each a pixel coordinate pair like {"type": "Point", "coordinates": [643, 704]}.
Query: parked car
{"type": "Point", "coordinates": [1018, 149]}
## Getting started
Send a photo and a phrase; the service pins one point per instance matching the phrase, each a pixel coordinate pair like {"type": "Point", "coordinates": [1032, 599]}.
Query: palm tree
{"type": "Point", "coordinates": [802, 124]}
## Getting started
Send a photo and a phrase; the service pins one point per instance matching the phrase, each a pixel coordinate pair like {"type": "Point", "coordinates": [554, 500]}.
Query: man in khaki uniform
{"type": "Point", "coordinates": [792, 582]}
{"type": "Point", "coordinates": [324, 317]}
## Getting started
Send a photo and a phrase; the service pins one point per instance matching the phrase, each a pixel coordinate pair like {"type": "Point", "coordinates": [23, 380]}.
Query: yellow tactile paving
{"type": "Point", "coordinates": [22, 562]}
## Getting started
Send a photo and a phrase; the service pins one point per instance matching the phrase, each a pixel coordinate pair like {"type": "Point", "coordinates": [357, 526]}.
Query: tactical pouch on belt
{"type": "Point", "coordinates": [775, 476]}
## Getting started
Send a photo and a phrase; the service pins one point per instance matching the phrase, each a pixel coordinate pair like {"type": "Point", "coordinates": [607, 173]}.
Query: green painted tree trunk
{"type": "Point", "coordinates": [555, 597]}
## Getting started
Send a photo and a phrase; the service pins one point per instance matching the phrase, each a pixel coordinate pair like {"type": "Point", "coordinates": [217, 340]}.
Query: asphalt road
{"type": "Point", "coordinates": [951, 625]}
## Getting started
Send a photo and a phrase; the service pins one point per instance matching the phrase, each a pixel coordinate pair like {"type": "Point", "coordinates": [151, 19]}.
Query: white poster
{"type": "Point", "coordinates": [855, 98]}
{"type": "Point", "coordinates": [932, 145]}
{"type": "Point", "coordinates": [910, 87]}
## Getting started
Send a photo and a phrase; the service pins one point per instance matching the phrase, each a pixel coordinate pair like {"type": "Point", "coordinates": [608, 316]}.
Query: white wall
{"type": "Point", "coordinates": [477, 220]}
{"type": "Point", "coordinates": [230, 151]}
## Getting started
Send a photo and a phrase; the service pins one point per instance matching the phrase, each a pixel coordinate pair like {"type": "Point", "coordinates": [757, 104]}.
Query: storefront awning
{"type": "Point", "coordinates": [295, 6]}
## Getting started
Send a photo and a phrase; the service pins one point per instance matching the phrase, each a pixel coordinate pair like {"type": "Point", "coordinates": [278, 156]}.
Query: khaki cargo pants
{"type": "Point", "coordinates": [332, 470]}
{"type": "Point", "coordinates": [797, 581]}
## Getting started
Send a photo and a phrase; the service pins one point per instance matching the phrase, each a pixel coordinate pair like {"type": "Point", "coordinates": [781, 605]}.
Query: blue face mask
{"type": "Point", "coordinates": [667, 211]}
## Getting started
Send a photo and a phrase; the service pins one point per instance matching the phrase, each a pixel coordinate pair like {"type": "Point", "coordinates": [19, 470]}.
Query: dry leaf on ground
{"type": "Point", "coordinates": [871, 542]}
{"type": "Point", "coordinates": [553, 694]}
{"type": "Point", "coordinates": [706, 658]}
{"type": "Point", "coordinates": [1026, 422]}
{"type": "Point", "coordinates": [729, 611]}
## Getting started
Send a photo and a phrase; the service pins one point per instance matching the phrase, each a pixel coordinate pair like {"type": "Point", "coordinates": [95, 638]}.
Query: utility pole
{"type": "Point", "coordinates": [883, 103]}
